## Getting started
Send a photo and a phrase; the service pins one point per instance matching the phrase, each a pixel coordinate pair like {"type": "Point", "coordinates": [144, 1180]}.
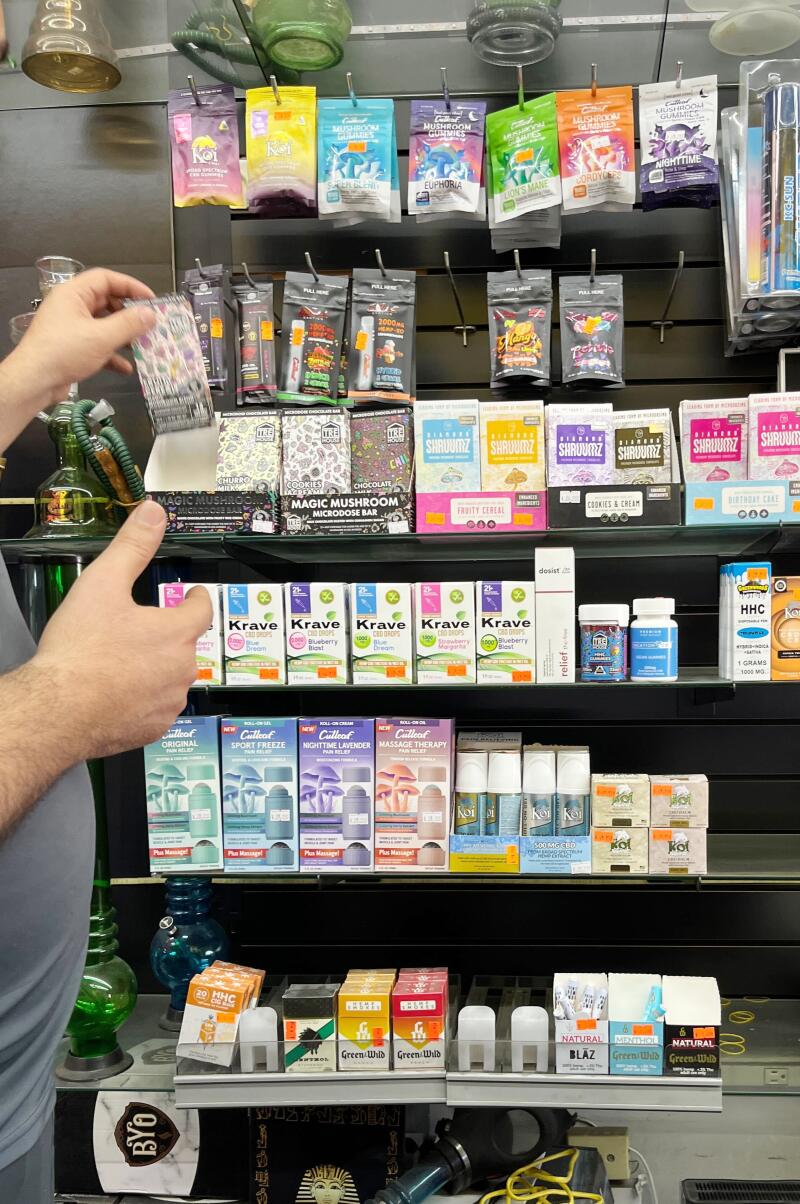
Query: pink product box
{"type": "Point", "coordinates": [489, 512]}
{"type": "Point", "coordinates": [775, 437]}
{"type": "Point", "coordinates": [714, 439]}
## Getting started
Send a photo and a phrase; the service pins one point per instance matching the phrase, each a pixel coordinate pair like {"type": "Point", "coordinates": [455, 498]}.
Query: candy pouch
{"type": "Point", "coordinates": [522, 146]}
{"type": "Point", "coordinates": [355, 158]}
{"type": "Point", "coordinates": [595, 136]}
{"type": "Point", "coordinates": [170, 366]}
{"type": "Point", "coordinates": [255, 342]}
{"type": "Point", "coordinates": [382, 327]}
{"type": "Point", "coordinates": [204, 145]}
{"type": "Point", "coordinates": [445, 157]}
{"type": "Point", "coordinates": [282, 152]}
{"type": "Point", "coordinates": [678, 134]}
{"type": "Point", "coordinates": [313, 326]}
{"type": "Point", "coordinates": [592, 328]}
{"type": "Point", "coordinates": [520, 306]}
{"type": "Point", "coordinates": [205, 290]}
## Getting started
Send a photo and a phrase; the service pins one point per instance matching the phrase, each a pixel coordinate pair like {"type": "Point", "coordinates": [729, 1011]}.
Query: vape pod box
{"type": "Point", "coordinates": [677, 851]}
{"type": "Point", "coordinates": [555, 614]}
{"type": "Point", "coordinates": [413, 791]}
{"type": "Point", "coordinates": [745, 614]}
{"type": "Point", "coordinates": [692, 1018]}
{"type": "Point", "coordinates": [785, 627]}
{"type": "Point", "coordinates": [506, 632]}
{"type": "Point", "coordinates": [635, 1024]}
{"type": "Point", "coordinates": [382, 449]}
{"type": "Point", "coordinates": [337, 775]}
{"type": "Point", "coordinates": [209, 645]}
{"type": "Point", "coordinates": [184, 818]}
{"type": "Point", "coordinates": [580, 1008]}
{"type": "Point", "coordinates": [444, 621]}
{"type": "Point", "coordinates": [619, 850]}
{"type": "Point", "coordinates": [365, 1023]}
{"type": "Point", "coordinates": [259, 794]}
{"type": "Point", "coordinates": [447, 446]}
{"type": "Point", "coordinates": [679, 800]}
{"type": "Point", "coordinates": [381, 633]}
{"type": "Point", "coordinates": [512, 446]}
{"type": "Point", "coordinates": [316, 452]}
{"type": "Point", "coordinates": [419, 1020]}
{"type": "Point", "coordinates": [249, 451]}
{"type": "Point", "coordinates": [643, 445]}
{"type": "Point", "coordinates": [714, 439]}
{"type": "Point", "coordinates": [555, 854]}
{"type": "Point", "coordinates": [580, 444]}
{"type": "Point", "coordinates": [254, 635]}
{"type": "Point", "coordinates": [621, 800]}
{"type": "Point", "coordinates": [774, 440]}
{"type": "Point", "coordinates": [309, 1027]}
{"type": "Point", "coordinates": [317, 642]}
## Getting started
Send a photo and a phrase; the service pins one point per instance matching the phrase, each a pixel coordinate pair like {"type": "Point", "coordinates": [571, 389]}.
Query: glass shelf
{"type": "Point", "coordinates": [589, 543]}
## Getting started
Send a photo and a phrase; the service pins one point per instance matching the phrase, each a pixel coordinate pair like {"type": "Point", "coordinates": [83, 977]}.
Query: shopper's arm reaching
{"type": "Point", "coordinates": [108, 675]}
{"type": "Point", "coordinates": [68, 340]}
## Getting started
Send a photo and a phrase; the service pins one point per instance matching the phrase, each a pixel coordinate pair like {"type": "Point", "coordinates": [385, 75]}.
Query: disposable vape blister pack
{"type": "Point", "coordinates": [382, 328]}
{"type": "Point", "coordinates": [206, 289]}
{"type": "Point", "coordinates": [355, 160]}
{"type": "Point", "coordinates": [445, 159]}
{"type": "Point", "coordinates": [314, 309]}
{"type": "Point", "coordinates": [678, 132]}
{"type": "Point", "coordinates": [520, 307]}
{"type": "Point", "coordinates": [170, 366]}
{"type": "Point", "coordinates": [255, 343]}
{"type": "Point", "coordinates": [592, 328]}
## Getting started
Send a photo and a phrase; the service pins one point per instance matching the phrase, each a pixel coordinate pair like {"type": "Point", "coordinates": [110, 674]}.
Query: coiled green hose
{"type": "Point", "coordinates": [107, 437]}
{"type": "Point", "coordinates": [225, 42]}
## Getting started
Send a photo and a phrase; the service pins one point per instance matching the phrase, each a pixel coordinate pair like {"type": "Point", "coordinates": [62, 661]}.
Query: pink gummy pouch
{"type": "Point", "coordinates": [204, 141]}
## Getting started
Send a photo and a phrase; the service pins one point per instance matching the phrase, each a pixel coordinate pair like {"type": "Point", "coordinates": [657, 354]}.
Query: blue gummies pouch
{"type": "Point", "coordinates": [355, 142]}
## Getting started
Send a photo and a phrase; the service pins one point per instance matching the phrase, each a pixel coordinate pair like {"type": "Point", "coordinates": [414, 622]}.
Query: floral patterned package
{"type": "Point", "coordinates": [169, 361]}
{"type": "Point", "coordinates": [595, 138]}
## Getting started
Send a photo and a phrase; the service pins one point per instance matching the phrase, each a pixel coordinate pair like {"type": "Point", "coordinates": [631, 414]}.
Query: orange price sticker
{"type": "Point", "coordinates": [377, 1037]}
{"type": "Point", "coordinates": [267, 332]}
{"type": "Point", "coordinates": [512, 855]}
{"type": "Point", "coordinates": [704, 503]}
{"type": "Point", "coordinates": [357, 148]}
{"type": "Point", "coordinates": [522, 520]}
{"type": "Point", "coordinates": [524, 156]}
{"type": "Point", "coordinates": [704, 1034]}
{"type": "Point", "coordinates": [662, 790]}
{"type": "Point", "coordinates": [756, 574]}
{"type": "Point", "coordinates": [395, 671]}
{"type": "Point", "coordinates": [326, 671]}
{"type": "Point", "coordinates": [434, 519]}
{"type": "Point", "coordinates": [605, 791]}
{"type": "Point", "coordinates": [456, 670]}
{"type": "Point", "coordinates": [586, 1026]}
{"type": "Point", "coordinates": [661, 833]}
{"type": "Point", "coordinates": [521, 675]}
{"type": "Point", "coordinates": [362, 340]}
{"type": "Point", "coordinates": [217, 328]}
{"type": "Point", "coordinates": [290, 1030]}
{"type": "Point", "coordinates": [204, 674]}
{"type": "Point", "coordinates": [282, 115]}
{"type": "Point", "coordinates": [601, 837]}
{"type": "Point", "coordinates": [642, 1030]}
{"type": "Point", "coordinates": [268, 674]}
{"type": "Point", "coordinates": [297, 336]}
{"type": "Point", "coordinates": [434, 1029]}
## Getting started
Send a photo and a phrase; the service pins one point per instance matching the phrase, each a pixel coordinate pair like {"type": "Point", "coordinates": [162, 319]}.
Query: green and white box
{"type": "Point", "coordinates": [317, 639]}
{"type": "Point", "coordinates": [506, 635]}
{"type": "Point", "coordinates": [381, 633]}
{"type": "Point", "coordinates": [444, 620]}
{"type": "Point", "coordinates": [209, 645]}
{"type": "Point", "coordinates": [254, 635]}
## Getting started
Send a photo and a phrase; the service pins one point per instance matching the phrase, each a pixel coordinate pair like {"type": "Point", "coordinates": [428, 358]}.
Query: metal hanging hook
{"type": "Point", "coordinates": [521, 87]}
{"type": "Point", "coordinates": [273, 83]}
{"type": "Point", "coordinates": [247, 276]}
{"type": "Point", "coordinates": [464, 330]}
{"type": "Point", "coordinates": [311, 267]}
{"type": "Point", "coordinates": [517, 264]}
{"type": "Point", "coordinates": [594, 80]}
{"type": "Point", "coordinates": [445, 89]}
{"type": "Point", "coordinates": [351, 92]}
{"type": "Point", "coordinates": [679, 73]}
{"type": "Point", "coordinates": [593, 265]}
{"type": "Point", "coordinates": [195, 93]}
{"type": "Point", "coordinates": [662, 324]}
{"type": "Point", "coordinates": [379, 261]}
{"type": "Point", "coordinates": [200, 268]}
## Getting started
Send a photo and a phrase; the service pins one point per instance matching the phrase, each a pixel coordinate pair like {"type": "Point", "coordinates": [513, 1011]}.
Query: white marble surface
{"type": "Point", "coordinates": [152, 1048]}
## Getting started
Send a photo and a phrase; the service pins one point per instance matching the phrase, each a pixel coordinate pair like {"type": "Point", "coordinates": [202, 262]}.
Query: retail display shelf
{"type": "Point", "coordinates": [225, 1089]}
{"type": "Point", "coordinates": [589, 543]}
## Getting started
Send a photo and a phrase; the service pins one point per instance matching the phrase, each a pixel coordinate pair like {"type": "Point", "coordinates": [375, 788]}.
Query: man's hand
{"type": "Point", "coordinates": [119, 672]}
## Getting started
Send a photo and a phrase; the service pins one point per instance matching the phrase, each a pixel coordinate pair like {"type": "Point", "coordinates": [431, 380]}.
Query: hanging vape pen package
{"type": "Point", "coordinates": [445, 159]}
{"type": "Point", "coordinates": [207, 290]}
{"type": "Point", "coordinates": [595, 135]}
{"type": "Point", "coordinates": [255, 343]}
{"type": "Point", "coordinates": [282, 151]}
{"type": "Point", "coordinates": [382, 328]}
{"type": "Point", "coordinates": [355, 143]}
{"type": "Point", "coordinates": [170, 366]}
{"type": "Point", "coordinates": [678, 134]}
{"type": "Point", "coordinates": [204, 143]}
{"type": "Point", "coordinates": [780, 271]}
{"type": "Point", "coordinates": [520, 305]}
{"type": "Point", "coordinates": [522, 149]}
{"type": "Point", "coordinates": [314, 311]}
{"type": "Point", "coordinates": [592, 327]}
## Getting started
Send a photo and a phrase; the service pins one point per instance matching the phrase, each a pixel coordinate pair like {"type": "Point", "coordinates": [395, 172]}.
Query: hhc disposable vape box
{"type": "Point", "coordinates": [506, 632]}
{"type": "Point", "coordinates": [619, 850]}
{"type": "Point", "coordinates": [785, 626]}
{"type": "Point", "coordinates": [215, 1003]}
{"type": "Point", "coordinates": [184, 817]}
{"type": "Point", "coordinates": [444, 620]}
{"type": "Point", "coordinates": [679, 800]}
{"type": "Point", "coordinates": [555, 614]}
{"type": "Point", "coordinates": [621, 800]}
{"type": "Point", "coordinates": [337, 776]}
{"type": "Point", "coordinates": [413, 791]}
{"type": "Point", "coordinates": [693, 1014]}
{"type": "Point", "coordinates": [317, 641]}
{"type": "Point", "coordinates": [254, 635]}
{"type": "Point", "coordinates": [635, 1024]}
{"type": "Point", "coordinates": [447, 447]}
{"type": "Point", "coordinates": [309, 1027]}
{"type": "Point", "coordinates": [580, 1008]}
{"type": "Point", "coordinates": [259, 794]}
{"type": "Point", "coordinates": [745, 600]}
{"type": "Point", "coordinates": [677, 851]}
{"type": "Point", "coordinates": [209, 646]}
{"type": "Point", "coordinates": [513, 446]}
{"type": "Point", "coordinates": [381, 633]}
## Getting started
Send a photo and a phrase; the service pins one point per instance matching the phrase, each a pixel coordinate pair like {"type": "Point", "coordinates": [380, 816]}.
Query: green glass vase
{"type": "Point", "coordinates": [304, 35]}
{"type": "Point", "coordinates": [71, 501]}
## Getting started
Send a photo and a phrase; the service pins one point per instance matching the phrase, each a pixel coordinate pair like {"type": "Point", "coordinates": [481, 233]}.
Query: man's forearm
{"type": "Point", "coordinates": [35, 749]}
{"type": "Point", "coordinates": [20, 397]}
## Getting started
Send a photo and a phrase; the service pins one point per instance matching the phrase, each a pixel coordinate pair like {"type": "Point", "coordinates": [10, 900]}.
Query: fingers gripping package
{"type": "Point", "coordinates": [169, 361]}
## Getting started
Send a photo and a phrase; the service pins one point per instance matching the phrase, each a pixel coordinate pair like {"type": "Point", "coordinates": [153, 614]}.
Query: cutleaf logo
{"type": "Point", "coordinates": [145, 1134]}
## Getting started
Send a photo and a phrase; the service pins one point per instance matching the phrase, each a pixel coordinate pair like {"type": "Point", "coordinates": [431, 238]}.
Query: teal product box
{"type": "Point", "coordinates": [259, 795]}
{"type": "Point", "coordinates": [447, 446]}
{"type": "Point", "coordinates": [555, 855]}
{"type": "Point", "coordinates": [184, 815]}
{"type": "Point", "coordinates": [636, 1049]}
{"type": "Point", "coordinates": [738, 503]}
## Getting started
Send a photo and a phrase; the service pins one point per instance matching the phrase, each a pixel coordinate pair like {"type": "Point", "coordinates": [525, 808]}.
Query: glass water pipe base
{"type": "Point", "coordinates": [172, 1019]}
{"type": "Point", "coordinates": [88, 1070]}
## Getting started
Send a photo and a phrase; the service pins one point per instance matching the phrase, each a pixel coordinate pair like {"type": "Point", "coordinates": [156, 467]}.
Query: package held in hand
{"type": "Point", "coordinates": [169, 361]}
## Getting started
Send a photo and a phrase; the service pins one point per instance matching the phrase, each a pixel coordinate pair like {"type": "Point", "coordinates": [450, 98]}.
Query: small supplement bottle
{"type": "Point", "coordinates": [604, 634]}
{"type": "Point", "coordinates": [654, 640]}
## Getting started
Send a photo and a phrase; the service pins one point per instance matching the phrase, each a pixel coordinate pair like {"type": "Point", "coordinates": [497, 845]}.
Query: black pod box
{"type": "Point", "coordinates": [613, 505]}
{"type": "Point", "coordinates": [691, 1051]}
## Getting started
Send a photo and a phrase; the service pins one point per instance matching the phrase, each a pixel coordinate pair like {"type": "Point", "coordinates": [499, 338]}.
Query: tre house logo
{"type": "Point", "coordinates": [144, 1134]}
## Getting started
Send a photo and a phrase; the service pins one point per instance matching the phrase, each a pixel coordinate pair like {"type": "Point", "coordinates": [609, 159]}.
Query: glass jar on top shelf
{"type": "Point", "coordinates": [508, 35]}
{"type": "Point", "coordinates": [303, 35]}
